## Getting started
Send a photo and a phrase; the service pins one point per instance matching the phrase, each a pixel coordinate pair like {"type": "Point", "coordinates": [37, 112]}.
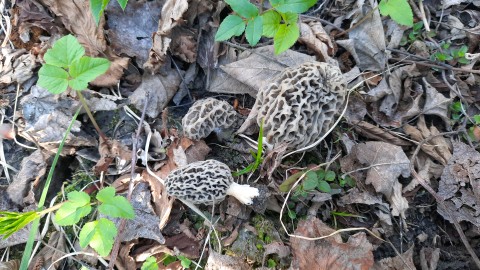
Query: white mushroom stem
{"type": "Point", "coordinates": [243, 193]}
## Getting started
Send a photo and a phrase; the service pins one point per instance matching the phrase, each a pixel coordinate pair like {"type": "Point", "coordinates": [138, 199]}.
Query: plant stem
{"type": "Point", "coordinates": [51, 209]}
{"type": "Point", "coordinates": [90, 115]}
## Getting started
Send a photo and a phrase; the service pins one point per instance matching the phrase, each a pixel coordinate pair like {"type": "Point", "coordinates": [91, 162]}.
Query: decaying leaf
{"type": "Point", "coordinates": [376, 133]}
{"type": "Point", "coordinates": [113, 150]}
{"type": "Point", "coordinates": [459, 186]}
{"type": "Point", "coordinates": [162, 205]}
{"type": "Point", "coordinates": [331, 252]}
{"type": "Point", "coordinates": [436, 103]}
{"type": "Point", "coordinates": [400, 262]}
{"type": "Point", "coordinates": [171, 16]}
{"type": "Point", "coordinates": [56, 248]}
{"type": "Point", "coordinates": [384, 163]}
{"type": "Point", "coordinates": [217, 261]}
{"type": "Point", "coordinates": [316, 39]}
{"type": "Point", "coordinates": [160, 89]}
{"type": "Point", "coordinates": [16, 66]}
{"type": "Point", "coordinates": [438, 147]}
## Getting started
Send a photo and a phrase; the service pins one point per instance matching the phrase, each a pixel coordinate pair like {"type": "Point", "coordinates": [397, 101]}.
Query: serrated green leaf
{"type": "Point", "coordinates": [85, 70]}
{"type": "Point", "coordinates": [399, 10]}
{"type": "Point", "coordinates": [150, 264]}
{"type": "Point", "coordinates": [254, 30]}
{"type": "Point", "coordinates": [122, 3]}
{"type": "Point", "coordinates": [64, 51]}
{"type": "Point", "coordinates": [98, 6]}
{"type": "Point", "coordinates": [324, 187]}
{"type": "Point", "coordinates": [77, 207]}
{"type": "Point", "coordinates": [271, 22]}
{"type": "Point", "coordinates": [99, 234]}
{"type": "Point", "coordinates": [310, 181]}
{"type": "Point", "coordinates": [296, 6]}
{"type": "Point", "coordinates": [231, 26]}
{"type": "Point", "coordinates": [114, 206]}
{"type": "Point", "coordinates": [52, 78]}
{"type": "Point", "coordinates": [285, 37]}
{"type": "Point", "coordinates": [243, 8]}
{"type": "Point", "coordinates": [330, 176]}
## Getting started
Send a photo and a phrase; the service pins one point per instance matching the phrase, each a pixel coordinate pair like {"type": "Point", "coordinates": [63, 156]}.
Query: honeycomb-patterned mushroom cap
{"type": "Point", "coordinates": [299, 105]}
{"type": "Point", "coordinates": [206, 115]}
{"type": "Point", "coordinates": [207, 182]}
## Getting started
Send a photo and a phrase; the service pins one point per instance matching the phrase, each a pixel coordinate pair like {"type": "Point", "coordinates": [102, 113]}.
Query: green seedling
{"type": "Point", "coordinates": [451, 55]}
{"type": "Point", "coordinates": [280, 22]}
{"type": "Point", "coordinates": [457, 110]}
{"type": "Point", "coordinates": [99, 234]}
{"type": "Point", "coordinates": [150, 264]}
{"type": "Point", "coordinates": [342, 214]}
{"type": "Point", "coordinates": [66, 66]}
{"type": "Point", "coordinates": [184, 261]}
{"type": "Point", "coordinates": [257, 156]}
{"type": "Point", "coordinates": [98, 7]}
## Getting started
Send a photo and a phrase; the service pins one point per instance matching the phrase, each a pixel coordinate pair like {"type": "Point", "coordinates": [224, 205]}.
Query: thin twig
{"type": "Point", "coordinates": [123, 222]}
{"type": "Point", "coordinates": [439, 200]}
{"type": "Point", "coordinates": [437, 66]}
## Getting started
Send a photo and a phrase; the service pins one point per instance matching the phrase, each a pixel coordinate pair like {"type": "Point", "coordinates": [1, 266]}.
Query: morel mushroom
{"type": "Point", "coordinates": [205, 116]}
{"type": "Point", "coordinates": [207, 182]}
{"type": "Point", "coordinates": [299, 105]}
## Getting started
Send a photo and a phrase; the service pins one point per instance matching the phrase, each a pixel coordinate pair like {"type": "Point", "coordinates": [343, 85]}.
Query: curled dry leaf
{"type": "Point", "coordinates": [171, 16]}
{"type": "Point", "coordinates": [459, 186]}
{"type": "Point", "coordinates": [16, 66]}
{"type": "Point", "coordinates": [316, 39]}
{"type": "Point", "coordinates": [376, 133]}
{"type": "Point", "coordinates": [162, 205]}
{"type": "Point", "coordinates": [331, 252]}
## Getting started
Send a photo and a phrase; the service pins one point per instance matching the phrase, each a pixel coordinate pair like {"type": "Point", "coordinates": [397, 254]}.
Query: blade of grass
{"type": "Point", "coordinates": [258, 156]}
{"type": "Point", "coordinates": [33, 231]}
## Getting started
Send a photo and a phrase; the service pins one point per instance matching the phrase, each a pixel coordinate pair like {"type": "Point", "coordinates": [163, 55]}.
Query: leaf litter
{"type": "Point", "coordinates": [413, 96]}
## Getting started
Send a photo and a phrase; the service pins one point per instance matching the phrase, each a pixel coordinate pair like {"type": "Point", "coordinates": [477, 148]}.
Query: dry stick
{"type": "Point", "coordinates": [123, 222]}
{"type": "Point", "coordinates": [90, 115]}
{"type": "Point", "coordinates": [439, 200]}
{"type": "Point", "coordinates": [446, 66]}
{"type": "Point", "coordinates": [423, 16]}
{"type": "Point", "coordinates": [437, 66]}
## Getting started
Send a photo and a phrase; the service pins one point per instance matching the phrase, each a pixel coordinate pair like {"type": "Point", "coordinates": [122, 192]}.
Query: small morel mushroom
{"type": "Point", "coordinates": [205, 116]}
{"type": "Point", "coordinates": [299, 105]}
{"type": "Point", "coordinates": [207, 182]}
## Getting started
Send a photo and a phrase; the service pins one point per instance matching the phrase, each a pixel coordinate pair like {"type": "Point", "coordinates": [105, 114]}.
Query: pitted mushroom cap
{"type": "Point", "coordinates": [299, 105]}
{"type": "Point", "coordinates": [207, 182]}
{"type": "Point", "coordinates": [205, 115]}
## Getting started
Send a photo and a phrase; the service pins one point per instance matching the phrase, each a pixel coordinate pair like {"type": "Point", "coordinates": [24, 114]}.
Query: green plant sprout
{"type": "Point", "coordinates": [66, 66]}
{"type": "Point", "coordinates": [257, 156]}
{"type": "Point", "coordinates": [98, 7]}
{"type": "Point", "coordinates": [451, 55]}
{"type": "Point", "coordinates": [150, 264]}
{"type": "Point", "coordinates": [99, 234]}
{"type": "Point", "coordinates": [279, 22]}
{"type": "Point", "coordinates": [457, 110]}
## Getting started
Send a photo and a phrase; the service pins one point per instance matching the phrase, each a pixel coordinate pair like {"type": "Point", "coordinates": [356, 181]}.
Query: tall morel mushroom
{"type": "Point", "coordinates": [299, 105]}
{"type": "Point", "coordinates": [205, 116]}
{"type": "Point", "coordinates": [207, 182]}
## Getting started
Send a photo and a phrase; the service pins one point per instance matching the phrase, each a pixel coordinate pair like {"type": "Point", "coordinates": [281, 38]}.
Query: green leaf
{"type": "Point", "coordinates": [98, 6]}
{"type": "Point", "coordinates": [296, 6]}
{"type": "Point", "coordinates": [85, 70]}
{"type": "Point", "coordinates": [99, 234]}
{"type": "Point", "coordinates": [231, 26]}
{"type": "Point", "coordinates": [122, 3]}
{"type": "Point", "coordinates": [254, 30]}
{"type": "Point", "coordinates": [271, 22]}
{"type": "Point", "coordinates": [11, 222]}
{"type": "Point", "coordinates": [324, 186]}
{"type": "Point", "coordinates": [288, 183]}
{"type": "Point", "coordinates": [243, 8]}
{"type": "Point", "coordinates": [292, 214]}
{"type": "Point", "coordinates": [77, 207]}
{"type": "Point", "coordinates": [330, 176]}
{"type": "Point", "coordinates": [184, 261]}
{"type": "Point", "coordinates": [64, 51]}
{"type": "Point", "coordinates": [52, 78]}
{"type": "Point", "coordinates": [321, 174]}
{"type": "Point", "coordinates": [285, 37]}
{"type": "Point", "coordinates": [310, 181]}
{"type": "Point", "coordinates": [114, 206]}
{"type": "Point", "coordinates": [399, 10]}
{"type": "Point", "coordinates": [150, 264]}
{"type": "Point", "coordinates": [290, 18]}
{"type": "Point", "coordinates": [476, 118]}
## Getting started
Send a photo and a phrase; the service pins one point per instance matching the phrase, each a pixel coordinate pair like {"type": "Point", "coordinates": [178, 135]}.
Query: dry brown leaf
{"type": "Point", "coordinates": [436, 103]}
{"type": "Point", "coordinates": [10, 265]}
{"type": "Point", "coordinates": [316, 39]}
{"type": "Point", "coordinates": [385, 163]}
{"type": "Point", "coordinates": [459, 186]}
{"type": "Point", "coordinates": [50, 253]}
{"type": "Point", "coordinates": [171, 16]}
{"type": "Point", "coordinates": [429, 258]}
{"type": "Point", "coordinates": [110, 151]}
{"type": "Point", "coordinates": [401, 262]}
{"type": "Point", "coordinates": [16, 66]}
{"type": "Point", "coordinates": [376, 133]}
{"type": "Point", "coordinates": [161, 203]}
{"type": "Point", "coordinates": [438, 147]}
{"type": "Point", "coordinates": [331, 252]}
{"type": "Point", "coordinates": [197, 151]}
{"type": "Point", "coordinates": [184, 44]}
{"type": "Point", "coordinates": [217, 261]}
